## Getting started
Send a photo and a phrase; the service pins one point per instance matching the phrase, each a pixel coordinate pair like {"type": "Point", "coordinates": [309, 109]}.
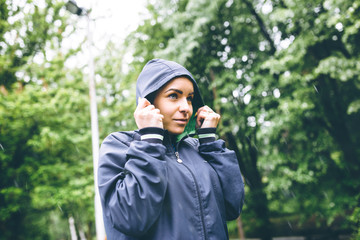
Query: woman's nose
{"type": "Point", "coordinates": [184, 105]}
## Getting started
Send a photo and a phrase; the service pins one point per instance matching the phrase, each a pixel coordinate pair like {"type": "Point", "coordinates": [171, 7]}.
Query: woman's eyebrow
{"type": "Point", "coordinates": [174, 89]}
{"type": "Point", "coordinates": [178, 91]}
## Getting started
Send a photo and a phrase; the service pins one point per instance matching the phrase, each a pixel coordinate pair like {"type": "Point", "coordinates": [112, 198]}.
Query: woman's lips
{"type": "Point", "coordinates": [181, 121]}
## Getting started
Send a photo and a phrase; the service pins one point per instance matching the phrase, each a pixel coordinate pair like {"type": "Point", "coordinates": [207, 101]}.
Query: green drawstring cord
{"type": "Point", "coordinates": [189, 128]}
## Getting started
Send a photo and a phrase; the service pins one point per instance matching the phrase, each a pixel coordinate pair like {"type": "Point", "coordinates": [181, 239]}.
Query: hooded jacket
{"type": "Point", "coordinates": [164, 189]}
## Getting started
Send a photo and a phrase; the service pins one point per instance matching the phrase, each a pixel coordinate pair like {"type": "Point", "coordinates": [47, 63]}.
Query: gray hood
{"type": "Point", "coordinates": [155, 74]}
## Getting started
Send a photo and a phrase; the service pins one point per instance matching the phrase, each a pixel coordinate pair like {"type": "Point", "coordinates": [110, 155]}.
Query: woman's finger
{"type": "Point", "coordinates": [143, 103]}
{"type": "Point", "coordinates": [201, 117]}
{"type": "Point", "coordinates": [206, 117]}
{"type": "Point", "coordinates": [146, 115]}
{"type": "Point", "coordinates": [149, 108]}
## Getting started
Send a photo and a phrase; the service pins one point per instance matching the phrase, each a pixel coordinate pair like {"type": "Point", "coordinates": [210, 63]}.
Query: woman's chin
{"type": "Point", "coordinates": [176, 130]}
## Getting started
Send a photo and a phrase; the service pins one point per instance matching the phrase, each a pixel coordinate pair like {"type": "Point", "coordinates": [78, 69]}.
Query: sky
{"type": "Point", "coordinates": [114, 19]}
{"type": "Point", "coordinates": [111, 20]}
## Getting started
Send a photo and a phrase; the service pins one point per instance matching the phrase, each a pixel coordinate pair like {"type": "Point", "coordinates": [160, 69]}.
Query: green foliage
{"type": "Point", "coordinates": [355, 219]}
{"type": "Point", "coordinates": [116, 91]}
{"type": "Point", "coordinates": [46, 164]}
{"type": "Point", "coordinates": [45, 159]}
{"type": "Point", "coordinates": [284, 77]}
{"type": "Point", "coordinates": [26, 30]}
{"type": "Point", "coordinates": [232, 228]}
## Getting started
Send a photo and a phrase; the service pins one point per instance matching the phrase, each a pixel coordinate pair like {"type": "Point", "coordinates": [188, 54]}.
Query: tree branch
{"type": "Point", "coordinates": [262, 26]}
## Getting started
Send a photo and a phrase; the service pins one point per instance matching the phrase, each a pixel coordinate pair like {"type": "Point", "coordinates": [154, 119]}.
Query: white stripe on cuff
{"type": "Point", "coordinates": [208, 135]}
{"type": "Point", "coordinates": [156, 136]}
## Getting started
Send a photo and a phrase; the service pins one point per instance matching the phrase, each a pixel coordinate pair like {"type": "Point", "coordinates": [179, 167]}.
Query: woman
{"type": "Point", "coordinates": [158, 182]}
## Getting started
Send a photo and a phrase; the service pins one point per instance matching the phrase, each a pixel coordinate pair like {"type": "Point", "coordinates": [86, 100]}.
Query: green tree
{"type": "Point", "coordinates": [284, 76]}
{"type": "Point", "coordinates": [25, 31]}
{"type": "Point", "coordinates": [46, 164]}
{"type": "Point", "coordinates": [317, 76]}
{"type": "Point", "coordinates": [116, 89]}
{"type": "Point", "coordinates": [45, 156]}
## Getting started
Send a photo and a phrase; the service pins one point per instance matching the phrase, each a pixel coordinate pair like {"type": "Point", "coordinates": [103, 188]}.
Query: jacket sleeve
{"type": "Point", "coordinates": [132, 179]}
{"type": "Point", "coordinates": [225, 164]}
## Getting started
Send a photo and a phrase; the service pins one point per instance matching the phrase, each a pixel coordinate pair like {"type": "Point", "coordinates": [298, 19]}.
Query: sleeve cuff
{"type": "Point", "coordinates": [206, 135]}
{"type": "Point", "coordinates": [152, 134]}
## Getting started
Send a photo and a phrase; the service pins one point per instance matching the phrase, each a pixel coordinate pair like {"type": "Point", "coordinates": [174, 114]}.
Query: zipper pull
{"type": "Point", "coordinates": [178, 157]}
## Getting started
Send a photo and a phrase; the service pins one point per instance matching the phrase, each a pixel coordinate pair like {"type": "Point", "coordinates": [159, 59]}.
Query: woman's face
{"type": "Point", "coordinates": [174, 100]}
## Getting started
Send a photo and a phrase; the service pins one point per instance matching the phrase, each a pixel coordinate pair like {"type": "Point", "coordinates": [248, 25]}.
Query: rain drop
{"type": "Point", "coordinates": [315, 88]}
{"type": "Point", "coordinates": [289, 223]}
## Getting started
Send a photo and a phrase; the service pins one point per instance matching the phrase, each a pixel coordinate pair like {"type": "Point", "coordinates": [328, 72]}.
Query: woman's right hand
{"type": "Point", "coordinates": [146, 115]}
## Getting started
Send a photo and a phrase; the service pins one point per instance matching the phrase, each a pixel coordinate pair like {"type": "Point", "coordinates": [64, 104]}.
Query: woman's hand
{"type": "Point", "coordinates": [146, 115]}
{"type": "Point", "coordinates": [207, 118]}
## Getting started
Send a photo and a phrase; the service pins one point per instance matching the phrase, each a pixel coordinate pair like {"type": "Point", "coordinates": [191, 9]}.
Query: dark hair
{"type": "Point", "coordinates": [151, 97]}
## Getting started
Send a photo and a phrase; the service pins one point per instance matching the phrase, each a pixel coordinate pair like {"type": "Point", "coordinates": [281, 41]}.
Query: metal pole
{"type": "Point", "coordinates": [100, 230]}
{"type": "Point", "coordinates": [72, 7]}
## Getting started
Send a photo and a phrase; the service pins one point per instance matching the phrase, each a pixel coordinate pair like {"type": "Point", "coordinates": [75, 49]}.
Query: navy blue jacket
{"type": "Point", "coordinates": [165, 190]}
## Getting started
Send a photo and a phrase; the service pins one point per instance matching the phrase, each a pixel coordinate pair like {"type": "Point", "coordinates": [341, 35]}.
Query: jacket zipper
{"type": "Point", "coordinates": [197, 191]}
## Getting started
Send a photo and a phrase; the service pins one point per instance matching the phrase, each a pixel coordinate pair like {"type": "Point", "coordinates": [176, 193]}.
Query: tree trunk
{"type": "Point", "coordinates": [72, 228]}
{"type": "Point", "coordinates": [248, 165]}
{"type": "Point", "coordinates": [259, 201]}
{"type": "Point", "coordinates": [262, 26]}
{"type": "Point", "coordinates": [335, 114]}
{"type": "Point", "coordinates": [240, 228]}
{"type": "Point", "coordinates": [82, 234]}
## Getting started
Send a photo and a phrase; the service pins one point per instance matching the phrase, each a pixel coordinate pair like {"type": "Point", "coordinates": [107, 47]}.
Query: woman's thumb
{"type": "Point", "coordinates": [143, 103]}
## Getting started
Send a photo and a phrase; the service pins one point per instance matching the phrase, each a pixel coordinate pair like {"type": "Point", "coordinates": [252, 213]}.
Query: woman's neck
{"type": "Point", "coordinates": [173, 138]}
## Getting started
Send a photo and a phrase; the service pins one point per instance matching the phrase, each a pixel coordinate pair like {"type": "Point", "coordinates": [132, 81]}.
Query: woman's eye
{"type": "Point", "coordinates": [190, 99]}
{"type": "Point", "coordinates": [173, 96]}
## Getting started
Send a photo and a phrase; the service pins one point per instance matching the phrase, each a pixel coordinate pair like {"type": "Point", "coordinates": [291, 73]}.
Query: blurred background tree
{"type": "Point", "coordinates": [285, 77]}
{"type": "Point", "coordinates": [283, 74]}
{"type": "Point", "coordinates": [45, 159]}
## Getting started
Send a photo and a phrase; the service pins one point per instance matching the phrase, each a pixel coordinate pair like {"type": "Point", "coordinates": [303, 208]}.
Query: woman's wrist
{"type": "Point", "coordinates": [206, 134]}
{"type": "Point", "coordinates": [152, 134]}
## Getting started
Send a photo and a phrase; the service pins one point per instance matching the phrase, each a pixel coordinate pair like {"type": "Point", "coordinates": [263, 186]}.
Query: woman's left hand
{"type": "Point", "coordinates": [207, 118]}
